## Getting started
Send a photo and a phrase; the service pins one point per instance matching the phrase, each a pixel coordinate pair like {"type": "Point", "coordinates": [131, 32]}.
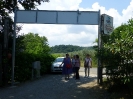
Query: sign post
{"type": "Point", "coordinates": [106, 28]}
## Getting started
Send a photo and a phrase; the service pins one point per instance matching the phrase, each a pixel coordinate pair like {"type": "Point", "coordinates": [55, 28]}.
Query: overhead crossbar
{"type": "Point", "coordinates": [57, 17]}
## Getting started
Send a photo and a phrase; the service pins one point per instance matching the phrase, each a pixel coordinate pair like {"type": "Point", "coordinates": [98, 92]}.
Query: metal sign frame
{"type": "Point", "coordinates": [56, 17]}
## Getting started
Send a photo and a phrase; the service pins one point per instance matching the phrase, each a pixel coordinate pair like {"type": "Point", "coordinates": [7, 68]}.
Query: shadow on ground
{"type": "Point", "coordinates": [54, 86]}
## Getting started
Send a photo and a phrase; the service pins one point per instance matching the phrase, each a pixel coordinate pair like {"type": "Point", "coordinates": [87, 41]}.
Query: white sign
{"type": "Point", "coordinates": [58, 17]}
{"type": "Point", "coordinates": [107, 24]}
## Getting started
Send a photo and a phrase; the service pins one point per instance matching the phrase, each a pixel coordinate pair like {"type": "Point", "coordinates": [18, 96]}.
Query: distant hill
{"type": "Point", "coordinates": [68, 48]}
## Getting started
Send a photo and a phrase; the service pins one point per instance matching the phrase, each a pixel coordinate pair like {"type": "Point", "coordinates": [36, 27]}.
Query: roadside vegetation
{"type": "Point", "coordinates": [82, 54]}
{"type": "Point", "coordinates": [30, 48]}
{"type": "Point", "coordinates": [117, 57]}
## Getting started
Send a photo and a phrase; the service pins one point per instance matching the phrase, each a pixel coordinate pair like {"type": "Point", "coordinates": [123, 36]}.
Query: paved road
{"type": "Point", "coordinates": [53, 86]}
{"type": "Point", "coordinates": [92, 70]}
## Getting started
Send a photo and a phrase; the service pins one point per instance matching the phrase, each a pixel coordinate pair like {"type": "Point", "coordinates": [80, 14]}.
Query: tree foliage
{"type": "Point", "coordinates": [67, 48]}
{"type": "Point", "coordinates": [26, 52]}
{"type": "Point", "coordinates": [117, 54]}
{"type": "Point", "coordinates": [8, 6]}
{"type": "Point", "coordinates": [30, 48]}
{"type": "Point", "coordinates": [34, 44]}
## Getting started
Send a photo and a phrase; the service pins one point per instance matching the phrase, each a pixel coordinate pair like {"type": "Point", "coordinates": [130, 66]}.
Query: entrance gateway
{"type": "Point", "coordinates": [63, 17]}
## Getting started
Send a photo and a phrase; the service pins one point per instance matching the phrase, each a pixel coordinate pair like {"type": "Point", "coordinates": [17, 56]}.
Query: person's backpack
{"type": "Point", "coordinates": [86, 63]}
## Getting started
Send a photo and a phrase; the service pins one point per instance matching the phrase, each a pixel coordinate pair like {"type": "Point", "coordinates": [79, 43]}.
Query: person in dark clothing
{"type": "Point", "coordinates": [73, 66]}
{"type": "Point", "coordinates": [77, 66]}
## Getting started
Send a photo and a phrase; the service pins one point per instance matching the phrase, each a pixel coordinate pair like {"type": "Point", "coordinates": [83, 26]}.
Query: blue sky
{"type": "Point", "coordinates": [81, 35]}
{"type": "Point", "coordinates": [116, 4]}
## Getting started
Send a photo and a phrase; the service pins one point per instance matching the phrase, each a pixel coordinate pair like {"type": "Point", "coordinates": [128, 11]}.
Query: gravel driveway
{"type": "Point", "coordinates": [53, 86]}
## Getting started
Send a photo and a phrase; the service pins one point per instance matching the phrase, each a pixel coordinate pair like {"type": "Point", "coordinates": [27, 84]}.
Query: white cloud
{"type": "Point", "coordinates": [60, 5]}
{"type": "Point", "coordinates": [128, 12]}
{"type": "Point", "coordinates": [81, 35]}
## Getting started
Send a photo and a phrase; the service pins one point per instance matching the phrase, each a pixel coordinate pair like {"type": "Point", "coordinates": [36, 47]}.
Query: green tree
{"type": "Point", "coordinates": [29, 48]}
{"type": "Point", "coordinates": [7, 7]}
{"type": "Point", "coordinates": [67, 48]}
{"type": "Point", "coordinates": [117, 54]}
{"type": "Point", "coordinates": [35, 44]}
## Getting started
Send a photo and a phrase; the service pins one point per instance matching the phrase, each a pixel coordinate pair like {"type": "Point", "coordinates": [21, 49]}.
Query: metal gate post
{"type": "Point", "coordinates": [13, 50]}
{"type": "Point", "coordinates": [99, 69]}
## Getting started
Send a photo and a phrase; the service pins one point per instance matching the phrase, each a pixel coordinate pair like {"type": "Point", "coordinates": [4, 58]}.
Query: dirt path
{"type": "Point", "coordinates": [54, 86]}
